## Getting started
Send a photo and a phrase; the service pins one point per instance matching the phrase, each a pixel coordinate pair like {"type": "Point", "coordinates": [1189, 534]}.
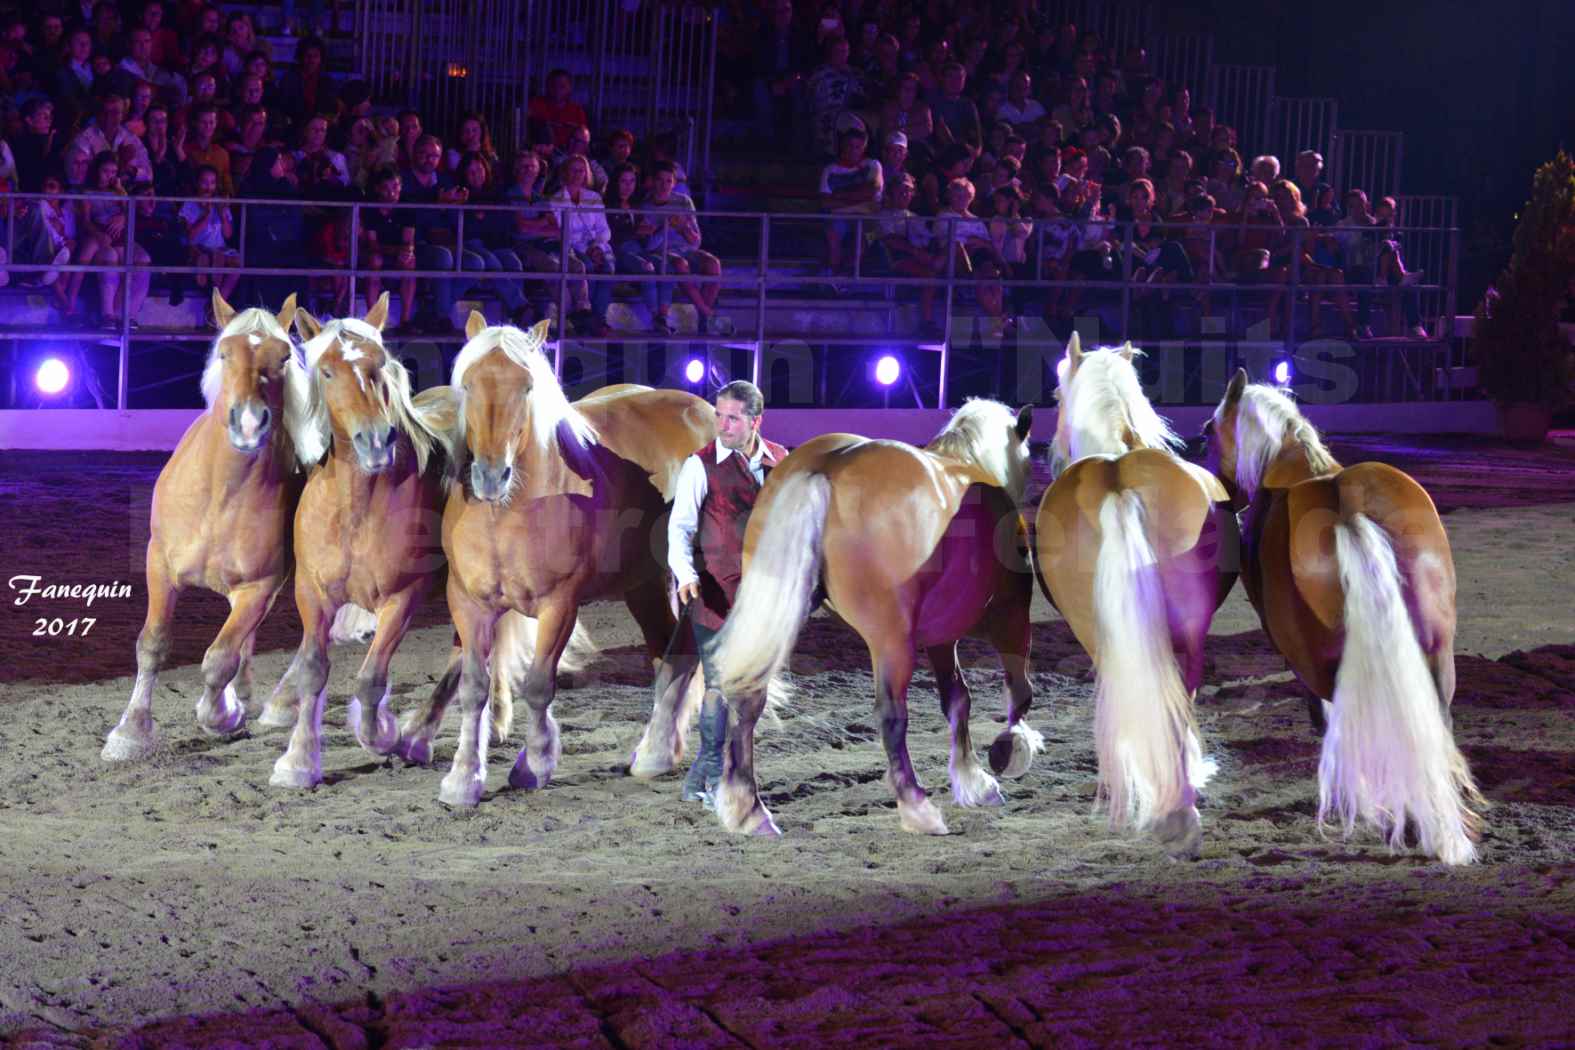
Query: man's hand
{"type": "Point", "coordinates": [689, 592]}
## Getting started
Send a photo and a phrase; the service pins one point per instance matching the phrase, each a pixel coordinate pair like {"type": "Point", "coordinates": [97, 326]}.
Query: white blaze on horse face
{"type": "Point", "coordinates": [254, 340]}
{"type": "Point", "coordinates": [351, 354]}
{"type": "Point", "coordinates": [250, 423]}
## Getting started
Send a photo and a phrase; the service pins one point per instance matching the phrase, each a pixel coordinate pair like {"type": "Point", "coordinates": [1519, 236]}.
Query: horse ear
{"type": "Point", "coordinates": [223, 312]}
{"type": "Point", "coordinates": [1127, 350]}
{"type": "Point", "coordinates": [1238, 384]}
{"type": "Point", "coordinates": [286, 312]}
{"type": "Point", "coordinates": [1074, 350]}
{"type": "Point", "coordinates": [1025, 422]}
{"type": "Point", "coordinates": [538, 332]}
{"type": "Point", "coordinates": [307, 325]}
{"type": "Point", "coordinates": [474, 324]}
{"type": "Point", "coordinates": [378, 315]}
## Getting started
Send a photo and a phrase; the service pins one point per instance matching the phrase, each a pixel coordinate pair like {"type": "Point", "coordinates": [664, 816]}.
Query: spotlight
{"type": "Point", "coordinates": [1282, 373]}
{"type": "Point", "coordinates": [52, 376]}
{"type": "Point", "coordinates": [694, 371]}
{"type": "Point", "coordinates": [887, 370]}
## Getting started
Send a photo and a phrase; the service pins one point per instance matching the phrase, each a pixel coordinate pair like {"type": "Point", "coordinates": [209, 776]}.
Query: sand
{"type": "Point", "coordinates": [182, 901]}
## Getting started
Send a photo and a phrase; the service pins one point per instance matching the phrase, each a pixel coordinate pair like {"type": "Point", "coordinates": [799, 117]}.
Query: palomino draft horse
{"type": "Point", "coordinates": [367, 530]}
{"type": "Point", "coordinates": [221, 518]}
{"type": "Point", "coordinates": [1351, 573]}
{"type": "Point", "coordinates": [563, 504]}
{"type": "Point", "coordinates": [912, 548]}
{"type": "Point", "coordinates": [1129, 544]}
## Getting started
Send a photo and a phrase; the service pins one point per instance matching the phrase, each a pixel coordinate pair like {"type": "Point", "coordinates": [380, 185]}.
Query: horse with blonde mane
{"type": "Point", "coordinates": [221, 516]}
{"type": "Point", "coordinates": [367, 529]}
{"type": "Point", "coordinates": [1136, 549]}
{"type": "Point", "coordinates": [911, 548]}
{"type": "Point", "coordinates": [1351, 573]}
{"type": "Point", "coordinates": [563, 504]}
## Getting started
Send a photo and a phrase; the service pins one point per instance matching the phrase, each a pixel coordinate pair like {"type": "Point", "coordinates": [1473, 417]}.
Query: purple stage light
{"type": "Point", "coordinates": [887, 370]}
{"type": "Point", "coordinates": [52, 376]}
{"type": "Point", "coordinates": [694, 371]}
{"type": "Point", "coordinates": [1282, 373]}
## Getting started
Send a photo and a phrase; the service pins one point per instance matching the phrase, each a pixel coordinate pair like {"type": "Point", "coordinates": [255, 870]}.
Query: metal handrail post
{"type": "Point", "coordinates": [123, 380]}
{"type": "Point", "coordinates": [355, 255]}
{"type": "Point", "coordinates": [563, 291]}
{"type": "Point", "coordinates": [757, 366]}
{"type": "Point", "coordinates": [1126, 281]}
{"type": "Point", "coordinates": [946, 333]}
{"type": "Point", "coordinates": [1288, 337]}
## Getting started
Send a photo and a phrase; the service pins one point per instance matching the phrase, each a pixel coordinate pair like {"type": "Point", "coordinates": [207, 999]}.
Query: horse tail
{"type": "Point", "coordinates": [1388, 754]}
{"type": "Point", "coordinates": [775, 595]}
{"type": "Point", "coordinates": [353, 624]}
{"type": "Point", "coordinates": [1150, 759]}
{"type": "Point", "coordinates": [513, 653]}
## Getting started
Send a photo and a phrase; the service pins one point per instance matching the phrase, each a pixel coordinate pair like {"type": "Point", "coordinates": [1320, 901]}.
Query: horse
{"type": "Point", "coordinates": [1134, 546]}
{"type": "Point", "coordinates": [1350, 571]}
{"type": "Point", "coordinates": [911, 548]}
{"type": "Point", "coordinates": [563, 504]}
{"type": "Point", "coordinates": [221, 516]}
{"type": "Point", "coordinates": [367, 527]}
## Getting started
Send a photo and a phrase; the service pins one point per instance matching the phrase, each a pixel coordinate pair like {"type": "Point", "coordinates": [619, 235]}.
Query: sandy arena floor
{"type": "Point", "coordinates": [184, 902]}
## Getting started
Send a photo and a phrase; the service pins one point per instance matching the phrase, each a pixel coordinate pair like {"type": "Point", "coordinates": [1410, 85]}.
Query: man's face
{"type": "Point", "coordinates": [207, 184]}
{"type": "Point", "coordinates": [41, 120]}
{"type": "Point", "coordinates": [427, 158]}
{"type": "Point", "coordinates": [953, 80]}
{"type": "Point", "coordinates": [852, 150]}
{"type": "Point", "coordinates": [207, 123]}
{"type": "Point", "coordinates": [894, 156]}
{"type": "Point", "coordinates": [662, 184]}
{"type": "Point", "coordinates": [1307, 170]}
{"type": "Point", "coordinates": [141, 45]}
{"type": "Point", "coordinates": [619, 149]}
{"type": "Point", "coordinates": [388, 191]}
{"type": "Point", "coordinates": [110, 115]}
{"type": "Point", "coordinates": [316, 133]}
{"type": "Point", "coordinates": [251, 91]}
{"type": "Point", "coordinates": [734, 427]}
{"type": "Point", "coordinates": [81, 47]}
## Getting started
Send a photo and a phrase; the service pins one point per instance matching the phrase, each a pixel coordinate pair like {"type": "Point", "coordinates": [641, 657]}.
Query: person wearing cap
{"type": "Point", "coordinates": [893, 157]}
{"type": "Point", "coordinates": [850, 186]}
{"type": "Point", "coordinates": [717, 488]}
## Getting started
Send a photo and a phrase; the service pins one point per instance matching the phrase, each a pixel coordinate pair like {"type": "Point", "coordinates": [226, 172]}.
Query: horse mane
{"type": "Point", "coordinates": [974, 435]}
{"type": "Point", "coordinates": [421, 427]}
{"type": "Point", "coordinates": [1105, 398]}
{"type": "Point", "coordinates": [550, 407]}
{"type": "Point", "coordinates": [1266, 417]}
{"type": "Point", "coordinates": [297, 395]}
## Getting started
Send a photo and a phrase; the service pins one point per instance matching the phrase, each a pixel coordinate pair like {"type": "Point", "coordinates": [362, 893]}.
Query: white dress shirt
{"type": "Point", "coordinates": [685, 520]}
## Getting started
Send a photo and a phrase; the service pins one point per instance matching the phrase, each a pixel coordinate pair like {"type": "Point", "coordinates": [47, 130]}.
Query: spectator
{"type": "Point", "coordinates": [74, 168]}
{"type": "Point", "coordinates": [885, 66]}
{"type": "Point", "coordinates": [74, 81]}
{"type": "Point", "coordinates": [956, 117]}
{"type": "Point", "coordinates": [209, 228]}
{"type": "Point", "coordinates": [954, 162]}
{"type": "Point", "coordinates": [435, 237]}
{"type": "Point", "coordinates": [676, 234]}
{"type": "Point", "coordinates": [904, 244]}
{"type": "Point", "coordinates": [589, 241]}
{"type": "Point", "coordinates": [906, 113]}
{"type": "Point", "coordinates": [409, 132]}
{"type": "Point", "coordinates": [580, 146]}
{"type": "Point", "coordinates": [851, 185]}
{"type": "Point", "coordinates": [620, 148]}
{"type": "Point", "coordinates": [832, 89]}
{"type": "Point", "coordinates": [240, 41]}
{"type": "Point", "coordinates": [109, 134]}
{"type": "Point", "coordinates": [487, 234]}
{"type": "Point", "coordinates": [166, 42]}
{"type": "Point", "coordinates": [1135, 165]}
{"type": "Point", "coordinates": [1074, 114]}
{"type": "Point", "coordinates": [327, 225]}
{"type": "Point", "coordinates": [207, 59]}
{"type": "Point", "coordinates": [1202, 246]}
{"type": "Point", "coordinates": [166, 157]}
{"type": "Point", "coordinates": [140, 64]}
{"type": "Point", "coordinates": [1106, 100]}
{"type": "Point", "coordinates": [251, 137]}
{"type": "Point", "coordinates": [314, 146]}
{"type": "Point", "coordinates": [1265, 169]}
{"type": "Point", "coordinates": [53, 243]}
{"type": "Point", "coordinates": [202, 150]}
{"type": "Point", "coordinates": [47, 56]}
{"type": "Point", "coordinates": [275, 233]}
{"type": "Point", "coordinates": [34, 146]}
{"type": "Point", "coordinates": [630, 229]}
{"type": "Point", "coordinates": [1009, 234]}
{"type": "Point", "coordinates": [106, 30]}
{"type": "Point", "coordinates": [305, 90]}
{"type": "Point", "coordinates": [473, 137]}
{"type": "Point", "coordinates": [1181, 114]}
{"type": "Point", "coordinates": [388, 240]}
{"type": "Point", "coordinates": [557, 109]}
{"type": "Point", "coordinates": [142, 100]}
{"type": "Point", "coordinates": [535, 236]}
{"type": "Point", "coordinates": [968, 239]}
{"type": "Point", "coordinates": [102, 220]}
{"type": "Point", "coordinates": [1225, 184]}
{"type": "Point", "coordinates": [1021, 109]}
{"type": "Point", "coordinates": [1174, 195]}
{"type": "Point", "coordinates": [1392, 271]}
{"type": "Point", "coordinates": [781, 53]}
{"type": "Point", "coordinates": [893, 158]}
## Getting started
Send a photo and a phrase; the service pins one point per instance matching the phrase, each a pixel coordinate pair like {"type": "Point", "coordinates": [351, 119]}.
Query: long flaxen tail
{"type": "Point", "coordinates": [1388, 755]}
{"type": "Point", "coordinates": [774, 597]}
{"type": "Point", "coordinates": [1150, 759]}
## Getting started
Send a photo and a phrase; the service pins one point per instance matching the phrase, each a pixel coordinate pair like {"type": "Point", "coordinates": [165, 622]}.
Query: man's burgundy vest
{"type": "Point", "coordinates": [730, 492]}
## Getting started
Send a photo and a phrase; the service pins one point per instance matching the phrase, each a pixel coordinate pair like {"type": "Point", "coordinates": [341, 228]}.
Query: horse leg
{"type": "Point", "coordinates": [738, 802]}
{"type": "Point", "coordinates": [475, 623]}
{"type": "Point", "coordinates": [135, 737]}
{"type": "Point", "coordinates": [971, 785]}
{"type": "Point", "coordinates": [534, 764]}
{"type": "Point", "coordinates": [419, 726]}
{"type": "Point", "coordinates": [301, 765]}
{"type": "Point", "coordinates": [369, 717]}
{"type": "Point", "coordinates": [217, 711]}
{"type": "Point", "coordinates": [279, 708]}
{"type": "Point", "coordinates": [893, 659]}
{"type": "Point", "coordinates": [677, 658]}
{"type": "Point", "coordinates": [1010, 631]}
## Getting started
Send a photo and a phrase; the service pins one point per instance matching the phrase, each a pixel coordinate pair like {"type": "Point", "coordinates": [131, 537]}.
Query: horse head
{"type": "Point", "coordinates": [357, 386]}
{"type": "Point", "coordinates": [251, 371]}
{"type": "Point", "coordinates": [1102, 407]}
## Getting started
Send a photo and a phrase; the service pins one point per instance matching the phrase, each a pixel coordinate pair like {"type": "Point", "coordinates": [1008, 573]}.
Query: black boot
{"type": "Point", "coordinates": [706, 772]}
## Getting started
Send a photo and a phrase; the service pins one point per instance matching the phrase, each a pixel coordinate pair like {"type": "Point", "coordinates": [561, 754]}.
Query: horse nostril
{"type": "Point", "coordinates": [265, 415]}
{"type": "Point", "coordinates": [503, 478]}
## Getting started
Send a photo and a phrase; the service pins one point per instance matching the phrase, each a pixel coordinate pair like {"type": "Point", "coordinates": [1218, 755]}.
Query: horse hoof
{"type": "Point", "coordinates": [1181, 833]}
{"type": "Point", "coordinates": [977, 789]}
{"type": "Point", "coordinates": [645, 764]}
{"type": "Point", "coordinates": [922, 818]}
{"type": "Point", "coordinates": [415, 750]}
{"type": "Point", "coordinates": [461, 792]}
{"type": "Point", "coordinates": [276, 716]}
{"type": "Point", "coordinates": [287, 776]}
{"type": "Point", "coordinates": [526, 779]}
{"type": "Point", "coordinates": [124, 747]}
{"type": "Point", "coordinates": [227, 723]}
{"type": "Point", "coordinates": [1012, 753]}
{"type": "Point", "coordinates": [385, 732]}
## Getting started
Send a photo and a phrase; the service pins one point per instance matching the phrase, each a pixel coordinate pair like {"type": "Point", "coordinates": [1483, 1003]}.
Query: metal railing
{"type": "Point", "coordinates": [1129, 286]}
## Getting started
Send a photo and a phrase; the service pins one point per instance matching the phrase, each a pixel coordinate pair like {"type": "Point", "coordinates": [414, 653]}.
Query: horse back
{"type": "Point", "coordinates": [655, 429]}
{"type": "Point", "coordinates": [1190, 528]}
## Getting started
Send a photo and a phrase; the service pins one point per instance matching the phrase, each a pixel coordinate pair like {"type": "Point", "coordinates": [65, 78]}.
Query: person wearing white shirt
{"type": "Point", "coordinates": [716, 490]}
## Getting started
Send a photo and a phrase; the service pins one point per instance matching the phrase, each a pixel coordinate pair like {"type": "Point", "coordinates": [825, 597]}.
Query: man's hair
{"type": "Point", "coordinates": [746, 394]}
{"type": "Point", "coordinates": [664, 167]}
